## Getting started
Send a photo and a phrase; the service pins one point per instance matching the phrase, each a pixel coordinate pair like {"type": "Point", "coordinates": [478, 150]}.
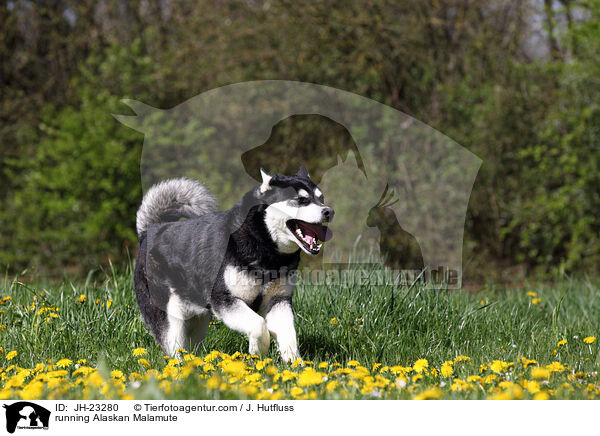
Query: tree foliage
{"type": "Point", "coordinates": [524, 98]}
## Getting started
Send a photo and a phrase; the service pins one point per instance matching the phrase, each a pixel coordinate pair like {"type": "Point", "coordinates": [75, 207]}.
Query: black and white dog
{"type": "Point", "coordinates": [238, 264]}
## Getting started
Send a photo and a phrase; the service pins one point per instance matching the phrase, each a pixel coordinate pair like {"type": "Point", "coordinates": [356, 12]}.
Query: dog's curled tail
{"type": "Point", "coordinates": [173, 199]}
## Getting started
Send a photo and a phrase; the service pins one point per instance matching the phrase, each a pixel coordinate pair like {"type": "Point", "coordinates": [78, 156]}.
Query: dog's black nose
{"type": "Point", "coordinates": [327, 214]}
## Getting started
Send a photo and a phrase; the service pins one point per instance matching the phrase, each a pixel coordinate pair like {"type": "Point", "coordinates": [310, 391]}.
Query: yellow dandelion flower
{"type": "Point", "coordinates": [310, 377]}
{"type": "Point", "coordinates": [144, 363]}
{"type": "Point", "coordinates": [540, 373]}
{"type": "Point", "coordinates": [532, 294]}
{"type": "Point", "coordinates": [95, 379]}
{"type": "Point", "coordinates": [233, 367]}
{"type": "Point", "coordinates": [536, 301]}
{"type": "Point", "coordinates": [331, 386]}
{"type": "Point", "coordinates": [417, 377]}
{"type": "Point", "coordinates": [287, 375]}
{"type": "Point", "coordinates": [430, 394]}
{"type": "Point", "coordinates": [170, 371]}
{"type": "Point", "coordinates": [461, 358]}
{"type": "Point", "coordinates": [108, 304]}
{"type": "Point", "coordinates": [271, 370]}
{"type": "Point", "coordinates": [460, 386]}
{"type": "Point", "coordinates": [212, 356]}
{"type": "Point", "coordinates": [555, 367]}
{"type": "Point", "coordinates": [33, 390]}
{"type": "Point", "coordinates": [532, 386]}
{"type": "Point", "coordinates": [498, 366]}
{"type": "Point", "coordinates": [323, 365]}
{"type": "Point", "coordinates": [165, 386]}
{"type": "Point", "coordinates": [561, 343]}
{"type": "Point", "coordinates": [260, 365]}
{"type": "Point", "coordinates": [353, 363]}
{"type": "Point", "coordinates": [84, 370]}
{"type": "Point", "coordinates": [489, 379]}
{"type": "Point", "coordinates": [63, 363]}
{"type": "Point", "coordinates": [333, 321]}
{"type": "Point", "coordinates": [139, 352]}
{"type": "Point", "coordinates": [81, 298]}
{"type": "Point", "coordinates": [541, 396]}
{"type": "Point", "coordinates": [474, 379]}
{"type": "Point", "coordinates": [11, 355]}
{"type": "Point", "coordinates": [589, 339]}
{"type": "Point", "coordinates": [152, 373]}
{"type": "Point", "coordinates": [254, 377]}
{"type": "Point", "coordinates": [381, 382]}
{"type": "Point", "coordinates": [421, 365]}
{"type": "Point", "coordinates": [447, 369]}
{"type": "Point", "coordinates": [213, 382]}
{"type": "Point", "coordinates": [398, 369]}
{"type": "Point", "coordinates": [296, 391]}
{"type": "Point", "coordinates": [249, 390]}
{"type": "Point", "coordinates": [513, 392]}
{"type": "Point", "coordinates": [116, 373]}
{"type": "Point", "coordinates": [359, 373]}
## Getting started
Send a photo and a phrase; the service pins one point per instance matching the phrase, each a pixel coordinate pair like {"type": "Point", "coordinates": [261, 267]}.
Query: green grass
{"type": "Point", "coordinates": [386, 325]}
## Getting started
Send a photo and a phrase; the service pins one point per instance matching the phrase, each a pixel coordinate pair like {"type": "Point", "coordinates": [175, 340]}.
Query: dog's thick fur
{"type": "Point", "coordinates": [238, 264]}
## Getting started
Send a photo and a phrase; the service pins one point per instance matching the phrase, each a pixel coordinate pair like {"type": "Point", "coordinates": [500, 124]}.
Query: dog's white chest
{"type": "Point", "coordinates": [242, 284]}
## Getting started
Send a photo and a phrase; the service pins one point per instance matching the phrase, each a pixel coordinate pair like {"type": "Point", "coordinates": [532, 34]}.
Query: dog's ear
{"type": "Point", "coordinates": [266, 181]}
{"type": "Point", "coordinates": [303, 172]}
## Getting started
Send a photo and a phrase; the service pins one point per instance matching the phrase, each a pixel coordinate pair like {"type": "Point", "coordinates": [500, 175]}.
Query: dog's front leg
{"type": "Point", "coordinates": [239, 317]}
{"type": "Point", "coordinates": [280, 322]}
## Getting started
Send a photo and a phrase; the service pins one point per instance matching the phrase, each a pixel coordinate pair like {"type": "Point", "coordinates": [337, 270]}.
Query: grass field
{"type": "Point", "coordinates": [87, 341]}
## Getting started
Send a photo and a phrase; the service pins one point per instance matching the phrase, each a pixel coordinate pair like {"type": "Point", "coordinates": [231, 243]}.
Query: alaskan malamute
{"type": "Point", "coordinates": [238, 264]}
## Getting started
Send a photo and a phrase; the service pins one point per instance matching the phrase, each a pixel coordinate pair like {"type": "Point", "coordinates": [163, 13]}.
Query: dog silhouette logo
{"type": "Point", "coordinates": [26, 415]}
{"type": "Point", "coordinates": [400, 188]}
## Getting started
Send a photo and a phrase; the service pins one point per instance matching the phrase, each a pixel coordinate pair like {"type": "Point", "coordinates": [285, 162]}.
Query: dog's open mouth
{"type": "Point", "coordinates": [311, 235]}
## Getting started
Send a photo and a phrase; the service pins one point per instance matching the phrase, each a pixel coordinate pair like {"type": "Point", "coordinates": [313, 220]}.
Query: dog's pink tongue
{"type": "Point", "coordinates": [323, 233]}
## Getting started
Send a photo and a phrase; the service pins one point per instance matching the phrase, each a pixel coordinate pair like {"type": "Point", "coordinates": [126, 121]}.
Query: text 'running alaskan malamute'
{"type": "Point", "coordinates": [238, 264]}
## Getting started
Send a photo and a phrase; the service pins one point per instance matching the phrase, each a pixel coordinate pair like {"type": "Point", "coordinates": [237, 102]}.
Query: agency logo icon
{"type": "Point", "coordinates": [26, 415]}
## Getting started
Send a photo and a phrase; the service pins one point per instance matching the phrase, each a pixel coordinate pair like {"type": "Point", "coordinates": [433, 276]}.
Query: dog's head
{"type": "Point", "coordinates": [295, 215]}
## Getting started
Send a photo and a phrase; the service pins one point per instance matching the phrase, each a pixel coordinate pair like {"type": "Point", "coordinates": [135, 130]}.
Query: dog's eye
{"type": "Point", "coordinates": [303, 201]}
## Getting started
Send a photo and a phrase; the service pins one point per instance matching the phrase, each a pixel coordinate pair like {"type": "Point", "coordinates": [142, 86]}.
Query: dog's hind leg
{"type": "Point", "coordinates": [153, 316]}
{"type": "Point", "coordinates": [175, 336]}
{"type": "Point", "coordinates": [196, 328]}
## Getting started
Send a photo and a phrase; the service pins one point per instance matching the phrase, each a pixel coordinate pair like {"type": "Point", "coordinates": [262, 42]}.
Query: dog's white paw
{"type": "Point", "coordinates": [260, 341]}
{"type": "Point", "coordinates": [289, 354]}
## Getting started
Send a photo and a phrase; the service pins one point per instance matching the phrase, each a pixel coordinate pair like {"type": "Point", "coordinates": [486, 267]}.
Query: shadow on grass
{"type": "Point", "coordinates": [314, 346]}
